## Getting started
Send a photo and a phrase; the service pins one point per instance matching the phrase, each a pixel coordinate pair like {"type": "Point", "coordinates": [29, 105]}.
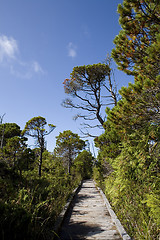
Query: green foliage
{"type": "Point", "coordinates": [83, 164]}
{"type": "Point", "coordinates": [108, 143]}
{"type": "Point", "coordinates": [130, 147]}
{"type": "Point", "coordinates": [7, 131]}
{"type": "Point", "coordinates": [16, 155]}
{"type": "Point", "coordinates": [98, 176]}
{"type": "Point", "coordinates": [29, 205]}
{"type": "Point", "coordinates": [137, 44]}
{"type": "Point", "coordinates": [35, 128]}
{"type": "Point", "coordinates": [68, 145]}
{"type": "Point", "coordinates": [15, 222]}
{"type": "Point", "coordinates": [80, 76]}
{"type": "Point", "coordinates": [131, 187]}
{"type": "Point", "coordinates": [86, 86]}
{"type": "Point", "coordinates": [152, 200]}
{"type": "Point", "coordinates": [128, 165]}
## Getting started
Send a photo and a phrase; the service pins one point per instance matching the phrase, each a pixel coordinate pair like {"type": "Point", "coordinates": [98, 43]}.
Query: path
{"type": "Point", "coordinates": [88, 217]}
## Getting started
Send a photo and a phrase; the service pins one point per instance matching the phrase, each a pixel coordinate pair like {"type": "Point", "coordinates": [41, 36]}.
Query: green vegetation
{"type": "Point", "coordinates": [68, 145]}
{"type": "Point", "coordinates": [83, 164]}
{"type": "Point", "coordinates": [86, 86]}
{"type": "Point", "coordinates": [35, 128]}
{"type": "Point", "coordinates": [129, 160]}
{"type": "Point", "coordinates": [31, 202]}
{"type": "Point", "coordinates": [128, 163]}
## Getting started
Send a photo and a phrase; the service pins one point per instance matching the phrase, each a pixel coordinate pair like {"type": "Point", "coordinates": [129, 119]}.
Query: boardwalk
{"type": "Point", "coordinates": [88, 218]}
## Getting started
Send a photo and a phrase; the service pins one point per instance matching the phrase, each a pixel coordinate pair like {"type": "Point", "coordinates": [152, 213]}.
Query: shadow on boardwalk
{"type": "Point", "coordinates": [87, 217]}
{"type": "Point", "coordinates": [76, 230]}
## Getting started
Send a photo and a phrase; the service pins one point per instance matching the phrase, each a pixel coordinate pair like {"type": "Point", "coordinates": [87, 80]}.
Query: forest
{"type": "Point", "coordinates": [35, 184]}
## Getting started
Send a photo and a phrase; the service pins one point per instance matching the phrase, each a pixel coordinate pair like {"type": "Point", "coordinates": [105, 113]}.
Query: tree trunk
{"type": "Point", "coordinates": [2, 138]}
{"type": "Point", "coordinates": [40, 163]}
{"type": "Point", "coordinates": [69, 162]}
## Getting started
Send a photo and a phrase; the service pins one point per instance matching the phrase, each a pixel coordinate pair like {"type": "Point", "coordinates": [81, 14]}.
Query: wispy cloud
{"type": "Point", "coordinates": [8, 48]}
{"type": "Point", "coordinates": [72, 50]}
{"type": "Point", "coordinates": [36, 67]}
{"type": "Point", "coordinates": [9, 54]}
{"type": "Point", "coordinates": [21, 71]}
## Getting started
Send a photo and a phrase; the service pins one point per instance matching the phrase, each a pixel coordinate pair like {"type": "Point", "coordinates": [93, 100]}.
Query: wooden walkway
{"type": "Point", "coordinates": [88, 217]}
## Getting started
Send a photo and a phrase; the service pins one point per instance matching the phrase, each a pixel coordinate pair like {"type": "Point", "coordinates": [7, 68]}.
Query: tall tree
{"type": "Point", "coordinates": [84, 164]}
{"type": "Point", "coordinates": [137, 52]}
{"type": "Point", "coordinates": [131, 140]}
{"type": "Point", "coordinates": [137, 45]}
{"type": "Point", "coordinates": [14, 152]}
{"type": "Point", "coordinates": [7, 131]}
{"type": "Point", "coordinates": [36, 129]}
{"type": "Point", "coordinates": [92, 88]}
{"type": "Point", "coordinates": [2, 131]}
{"type": "Point", "coordinates": [68, 145]}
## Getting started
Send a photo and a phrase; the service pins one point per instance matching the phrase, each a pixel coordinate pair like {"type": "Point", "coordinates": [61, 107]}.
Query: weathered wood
{"type": "Point", "coordinates": [88, 217]}
{"type": "Point", "coordinates": [61, 217]}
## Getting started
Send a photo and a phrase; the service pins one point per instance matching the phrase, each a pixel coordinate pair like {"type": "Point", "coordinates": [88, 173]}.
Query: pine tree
{"type": "Point", "coordinates": [137, 44]}
{"type": "Point", "coordinates": [68, 145]}
{"type": "Point", "coordinates": [35, 128]}
{"type": "Point", "coordinates": [87, 86]}
{"type": "Point", "coordinates": [133, 184]}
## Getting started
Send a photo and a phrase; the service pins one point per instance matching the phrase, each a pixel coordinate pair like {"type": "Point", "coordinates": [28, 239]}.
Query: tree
{"type": "Point", "coordinates": [92, 88]}
{"type": "Point", "coordinates": [68, 145]}
{"type": "Point", "coordinates": [36, 129]}
{"type": "Point", "coordinates": [108, 143]}
{"type": "Point", "coordinates": [137, 52]}
{"type": "Point", "coordinates": [84, 164]}
{"type": "Point", "coordinates": [131, 139]}
{"type": "Point", "coordinates": [2, 131]}
{"type": "Point", "coordinates": [26, 160]}
{"type": "Point", "coordinates": [16, 153]}
{"type": "Point", "coordinates": [137, 47]}
{"type": "Point", "coordinates": [130, 143]}
{"type": "Point", "coordinates": [7, 131]}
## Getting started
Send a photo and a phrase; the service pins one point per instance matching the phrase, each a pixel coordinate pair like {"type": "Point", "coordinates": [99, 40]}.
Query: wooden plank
{"type": "Point", "coordinates": [88, 217]}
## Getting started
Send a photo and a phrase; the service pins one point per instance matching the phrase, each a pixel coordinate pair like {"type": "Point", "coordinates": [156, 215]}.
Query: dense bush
{"type": "Point", "coordinates": [29, 204]}
{"type": "Point", "coordinates": [130, 146]}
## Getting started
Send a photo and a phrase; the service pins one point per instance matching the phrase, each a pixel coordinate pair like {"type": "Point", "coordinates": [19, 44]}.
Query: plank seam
{"type": "Point", "coordinates": [62, 215]}
{"type": "Point", "coordinates": [117, 222]}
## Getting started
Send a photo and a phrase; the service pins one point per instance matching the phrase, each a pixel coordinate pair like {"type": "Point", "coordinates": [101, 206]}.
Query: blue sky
{"type": "Point", "coordinates": [40, 43]}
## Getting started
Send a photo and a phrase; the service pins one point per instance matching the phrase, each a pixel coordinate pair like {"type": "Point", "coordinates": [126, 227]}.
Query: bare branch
{"type": "Point", "coordinates": [90, 126]}
{"type": "Point", "coordinates": [87, 134]}
{"type": "Point", "coordinates": [85, 117]}
{"type": "Point", "coordinates": [1, 118]}
{"type": "Point", "coordinates": [85, 100]}
{"type": "Point", "coordinates": [87, 83]}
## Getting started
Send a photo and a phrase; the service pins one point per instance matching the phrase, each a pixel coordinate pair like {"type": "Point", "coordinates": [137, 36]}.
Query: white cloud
{"type": "Point", "coordinates": [9, 55]}
{"type": "Point", "coordinates": [36, 67]}
{"type": "Point", "coordinates": [8, 48]}
{"type": "Point", "coordinates": [72, 50]}
{"type": "Point", "coordinates": [22, 73]}
{"type": "Point", "coordinates": [25, 70]}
